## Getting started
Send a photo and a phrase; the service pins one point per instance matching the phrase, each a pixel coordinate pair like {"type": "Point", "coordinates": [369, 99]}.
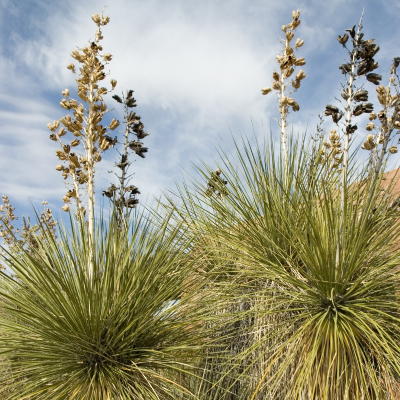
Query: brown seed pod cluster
{"type": "Point", "coordinates": [7, 216]}
{"type": "Point", "coordinates": [216, 185]}
{"type": "Point", "coordinates": [332, 150]}
{"type": "Point", "coordinates": [85, 123]}
{"type": "Point", "coordinates": [29, 233]}
{"type": "Point", "coordinates": [287, 62]}
{"type": "Point", "coordinates": [387, 120]}
{"type": "Point", "coordinates": [124, 196]}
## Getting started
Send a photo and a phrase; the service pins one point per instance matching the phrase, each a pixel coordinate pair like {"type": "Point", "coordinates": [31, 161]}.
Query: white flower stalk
{"type": "Point", "coordinates": [287, 62]}
{"type": "Point", "coordinates": [85, 125]}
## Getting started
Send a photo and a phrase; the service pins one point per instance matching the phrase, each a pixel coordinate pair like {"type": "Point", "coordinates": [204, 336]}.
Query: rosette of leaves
{"type": "Point", "coordinates": [133, 332]}
{"type": "Point", "coordinates": [124, 195]}
{"type": "Point", "coordinates": [310, 328]}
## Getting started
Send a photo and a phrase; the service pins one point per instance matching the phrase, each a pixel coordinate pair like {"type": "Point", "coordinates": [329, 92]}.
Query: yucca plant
{"type": "Point", "coordinates": [312, 250]}
{"type": "Point", "coordinates": [311, 328]}
{"type": "Point", "coordinates": [134, 332]}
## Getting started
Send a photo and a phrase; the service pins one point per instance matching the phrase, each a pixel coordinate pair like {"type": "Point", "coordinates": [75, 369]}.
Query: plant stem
{"type": "Point", "coordinates": [343, 201]}
{"type": "Point", "coordinates": [90, 135]}
{"type": "Point", "coordinates": [283, 112]}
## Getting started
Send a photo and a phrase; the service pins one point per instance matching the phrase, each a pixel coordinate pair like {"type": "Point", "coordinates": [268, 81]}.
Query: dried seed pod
{"type": "Point", "coordinates": [65, 92]}
{"type": "Point", "coordinates": [295, 14]}
{"type": "Point", "coordinates": [295, 107]}
{"type": "Point", "coordinates": [131, 102]}
{"type": "Point", "coordinates": [350, 129]}
{"type": "Point", "coordinates": [296, 84]}
{"type": "Point", "coordinates": [361, 95]}
{"type": "Point", "coordinates": [65, 208]}
{"type": "Point", "coordinates": [300, 61]}
{"type": "Point", "coordinates": [51, 127]}
{"type": "Point", "coordinates": [71, 67]}
{"type": "Point", "coordinates": [352, 31]}
{"type": "Point", "coordinates": [71, 193]}
{"type": "Point", "coordinates": [289, 35]}
{"type": "Point", "coordinates": [392, 150]}
{"type": "Point", "coordinates": [114, 124]}
{"type": "Point", "coordinates": [59, 167]}
{"type": "Point", "coordinates": [75, 143]}
{"type": "Point", "coordinates": [368, 146]}
{"type": "Point", "coordinates": [300, 75]}
{"type": "Point", "coordinates": [65, 104]}
{"type": "Point", "coordinates": [60, 154]}
{"type": "Point", "coordinates": [374, 78]}
{"type": "Point", "coordinates": [96, 157]}
{"type": "Point", "coordinates": [299, 43]}
{"type": "Point", "coordinates": [372, 116]}
{"type": "Point", "coordinates": [330, 110]}
{"type": "Point", "coordinates": [61, 132]}
{"type": "Point", "coordinates": [96, 18]}
{"type": "Point", "coordinates": [275, 76]}
{"type": "Point", "coordinates": [345, 68]}
{"type": "Point", "coordinates": [327, 145]}
{"type": "Point", "coordinates": [276, 85]}
{"type": "Point", "coordinates": [345, 94]}
{"type": "Point", "coordinates": [113, 84]}
{"type": "Point", "coordinates": [370, 126]}
{"type": "Point", "coordinates": [107, 57]}
{"type": "Point", "coordinates": [53, 137]}
{"type": "Point", "coordinates": [117, 98]}
{"type": "Point", "coordinates": [289, 72]}
{"type": "Point", "coordinates": [396, 124]}
{"type": "Point", "coordinates": [396, 63]}
{"type": "Point", "coordinates": [343, 39]}
{"type": "Point", "coordinates": [266, 90]}
{"type": "Point", "coordinates": [66, 199]}
{"type": "Point", "coordinates": [337, 117]}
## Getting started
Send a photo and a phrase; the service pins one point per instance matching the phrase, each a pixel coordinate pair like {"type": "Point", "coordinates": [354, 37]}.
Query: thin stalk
{"type": "Point", "coordinates": [90, 184]}
{"type": "Point", "coordinates": [343, 189]}
{"type": "Point", "coordinates": [283, 112]}
{"type": "Point", "coordinates": [124, 159]}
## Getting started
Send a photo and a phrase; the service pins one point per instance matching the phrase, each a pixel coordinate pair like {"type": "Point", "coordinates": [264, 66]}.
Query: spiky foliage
{"type": "Point", "coordinates": [132, 332]}
{"type": "Point", "coordinates": [313, 328]}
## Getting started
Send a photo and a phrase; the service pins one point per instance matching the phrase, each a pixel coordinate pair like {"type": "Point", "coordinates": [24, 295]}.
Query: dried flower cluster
{"type": "Point", "coordinates": [361, 64]}
{"type": "Point", "coordinates": [28, 233]}
{"type": "Point", "coordinates": [287, 62]}
{"type": "Point", "coordinates": [85, 124]}
{"type": "Point", "coordinates": [389, 121]}
{"type": "Point", "coordinates": [124, 196]}
{"type": "Point", "coordinates": [332, 150]}
{"type": "Point", "coordinates": [216, 185]}
{"type": "Point", "coordinates": [7, 216]}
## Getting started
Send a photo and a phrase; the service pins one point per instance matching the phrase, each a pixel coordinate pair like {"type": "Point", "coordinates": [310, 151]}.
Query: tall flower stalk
{"type": "Point", "coordinates": [361, 63]}
{"type": "Point", "coordinates": [124, 196]}
{"type": "Point", "coordinates": [85, 125]}
{"type": "Point", "coordinates": [287, 62]}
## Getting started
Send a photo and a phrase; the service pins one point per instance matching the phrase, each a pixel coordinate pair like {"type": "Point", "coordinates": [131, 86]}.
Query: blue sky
{"type": "Point", "coordinates": [196, 67]}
